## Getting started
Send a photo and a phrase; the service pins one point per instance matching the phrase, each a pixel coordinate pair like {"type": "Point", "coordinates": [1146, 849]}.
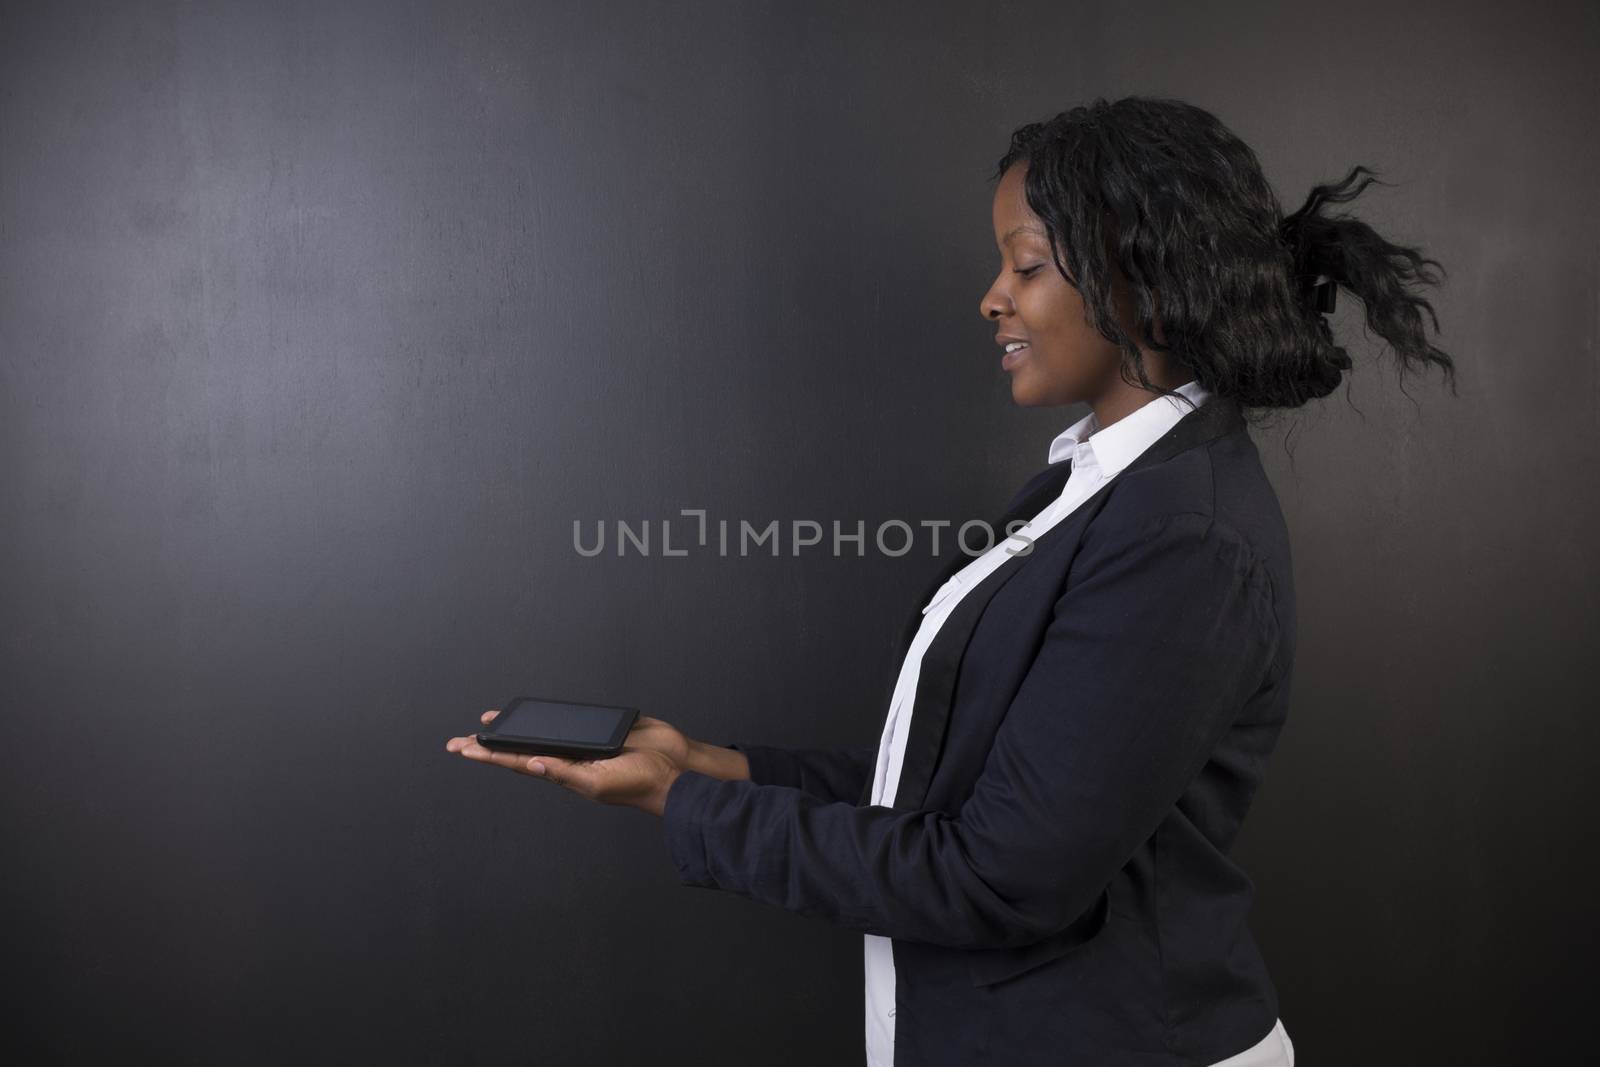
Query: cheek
{"type": "Point", "coordinates": [1066, 348]}
{"type": "Point", "coordinates": [1057, 363]}
{"type": "Point", "coordinates": [1060, 371]}
{"type": "Point", "coordinates": [1053, 311]}
{"type": "Point", "coordinates": [1071, 346]}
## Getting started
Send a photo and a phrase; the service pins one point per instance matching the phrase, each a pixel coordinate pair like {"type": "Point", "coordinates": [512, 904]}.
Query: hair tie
{"type": "Point", "coordinates": [1322, 294]}
{"type": "Point", "coordinates": [1319, 289]}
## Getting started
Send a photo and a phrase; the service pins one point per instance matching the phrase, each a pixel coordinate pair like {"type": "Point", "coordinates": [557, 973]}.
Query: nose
{"type": "Point", "coordinates": [994, 303]}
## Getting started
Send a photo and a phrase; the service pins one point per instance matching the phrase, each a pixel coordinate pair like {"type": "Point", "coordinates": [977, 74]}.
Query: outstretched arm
{"type": "Point", "coordinates": [1150, 654]}
{"type": "Point", "coordinates": [834, 774]}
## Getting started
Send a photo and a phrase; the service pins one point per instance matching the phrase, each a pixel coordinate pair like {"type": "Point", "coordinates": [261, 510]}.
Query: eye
{"type": "Point", "coordinates": [1027, 271]}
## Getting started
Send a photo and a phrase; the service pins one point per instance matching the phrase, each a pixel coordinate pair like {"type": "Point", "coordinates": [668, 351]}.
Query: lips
{"type": "Point", "coordinates": [1011, 359]}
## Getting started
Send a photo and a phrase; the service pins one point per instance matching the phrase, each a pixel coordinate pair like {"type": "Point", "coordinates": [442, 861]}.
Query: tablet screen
{"type": "Point", "coordinates": [554, 721]}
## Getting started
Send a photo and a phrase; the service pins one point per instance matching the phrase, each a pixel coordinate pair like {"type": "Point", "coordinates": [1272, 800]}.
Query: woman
{"type": "Point", "coordinates": [1037, 848]}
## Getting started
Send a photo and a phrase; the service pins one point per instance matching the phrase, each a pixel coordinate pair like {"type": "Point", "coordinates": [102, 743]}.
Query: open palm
{"type": "Point", "coordinates": [652, 755]}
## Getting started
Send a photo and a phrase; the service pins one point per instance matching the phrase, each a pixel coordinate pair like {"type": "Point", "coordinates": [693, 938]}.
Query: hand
{"type": "Point", "coordinates": [657, 736]}
{"type": "Point", "coordinates": [638, 777]}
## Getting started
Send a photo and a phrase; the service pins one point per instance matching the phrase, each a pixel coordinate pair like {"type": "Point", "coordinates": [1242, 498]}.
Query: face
{"type": "Point", "coordinates": [1066, 359]}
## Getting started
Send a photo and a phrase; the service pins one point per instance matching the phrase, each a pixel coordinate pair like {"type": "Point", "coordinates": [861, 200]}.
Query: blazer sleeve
{"type": "Point", "coordinates": [1162, 632]}
{"type": "Point", "coordinates": [833, 774]}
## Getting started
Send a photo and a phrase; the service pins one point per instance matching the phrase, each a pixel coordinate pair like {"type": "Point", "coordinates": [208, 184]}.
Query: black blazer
{"type": "Point", "coordinates": [1089, 727]}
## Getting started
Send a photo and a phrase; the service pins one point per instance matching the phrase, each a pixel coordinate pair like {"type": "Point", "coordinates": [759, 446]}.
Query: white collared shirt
{"type": "Point", "coordinates": [1098, 455]}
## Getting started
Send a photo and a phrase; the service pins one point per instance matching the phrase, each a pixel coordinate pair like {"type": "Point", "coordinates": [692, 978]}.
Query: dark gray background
{"type": "Point", "coordinates": [320, 324]}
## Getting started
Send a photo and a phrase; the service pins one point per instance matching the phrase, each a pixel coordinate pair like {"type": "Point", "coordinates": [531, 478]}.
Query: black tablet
{"type": "Point", "coordinates": [559, 728]}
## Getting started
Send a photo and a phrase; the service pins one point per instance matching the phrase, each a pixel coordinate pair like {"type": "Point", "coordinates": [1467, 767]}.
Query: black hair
{"type": "Point", "coordinates": [1161, 193]}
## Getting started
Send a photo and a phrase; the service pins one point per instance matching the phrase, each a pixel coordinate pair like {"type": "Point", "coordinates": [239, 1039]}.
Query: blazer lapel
{"type": "Point", "coordinates": [936, 677]}
{"type": "Point", "coordinates": [1028, 502]}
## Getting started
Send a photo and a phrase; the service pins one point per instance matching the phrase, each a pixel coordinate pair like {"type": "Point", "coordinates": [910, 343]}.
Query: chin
{"type": "Point", "coordinates": [1025, 397]}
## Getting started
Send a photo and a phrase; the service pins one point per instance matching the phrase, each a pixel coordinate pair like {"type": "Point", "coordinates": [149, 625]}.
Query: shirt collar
{"type": "Point", "coordinates": [1119, 444]}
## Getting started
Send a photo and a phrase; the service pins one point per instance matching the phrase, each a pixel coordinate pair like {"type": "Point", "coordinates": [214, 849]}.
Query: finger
{"type": "Point", "coordinates": [489, 715]}
{"type": "Point", "coordinates": [571, 774]}
{"type": "Point", "coordinates": [456, 744]}
{"type": "Point", "coordinates": [514, 761]}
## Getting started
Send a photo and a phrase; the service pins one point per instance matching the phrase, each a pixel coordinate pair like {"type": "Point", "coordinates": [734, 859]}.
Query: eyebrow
{"type": "Point", "coordinates": [1026, 227]}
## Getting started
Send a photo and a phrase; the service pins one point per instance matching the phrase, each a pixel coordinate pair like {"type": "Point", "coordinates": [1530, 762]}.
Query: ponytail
{"type": "Point", "coordinates": [1340, 251]}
